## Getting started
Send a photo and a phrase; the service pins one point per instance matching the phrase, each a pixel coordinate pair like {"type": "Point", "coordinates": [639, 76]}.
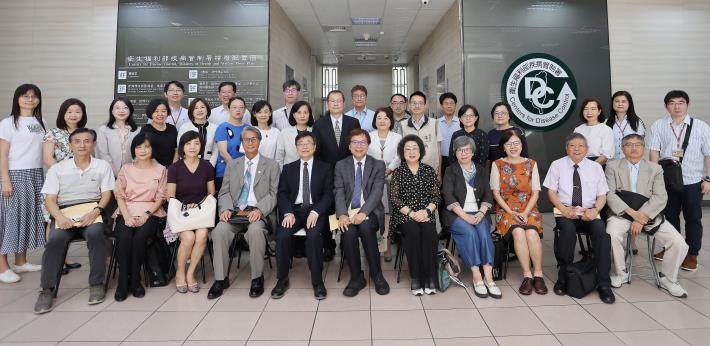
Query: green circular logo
{"type": "Point", "coordinates": [541, 90]}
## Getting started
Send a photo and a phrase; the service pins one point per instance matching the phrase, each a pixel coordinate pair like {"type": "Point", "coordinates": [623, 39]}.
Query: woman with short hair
{"type": "Point", "coordinates": [199, 113]}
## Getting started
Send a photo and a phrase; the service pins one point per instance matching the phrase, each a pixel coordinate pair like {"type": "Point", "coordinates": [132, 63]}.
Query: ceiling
{"type": "Point", "coordinates": [405, 24]}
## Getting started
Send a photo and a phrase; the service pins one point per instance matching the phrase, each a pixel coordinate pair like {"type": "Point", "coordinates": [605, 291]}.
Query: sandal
{"type": "Point", "coordinates": [194, 288]}
{"type": "Point", "coordinates": [181, 288]}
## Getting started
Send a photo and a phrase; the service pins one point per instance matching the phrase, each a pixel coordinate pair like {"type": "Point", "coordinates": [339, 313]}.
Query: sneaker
{"type": "Point", "coordinates": [480, 290]}
{"type": "Point", "coordinates": [619, 279]}
{"type": "Point", "coordinates": [690, 263]}
{"type": "Point", "coordinates": [27, 267]}
{"type": "Point", "coordinates": [44, 301]}
{"type": "Point", "coordinates": [659, 256]}
{"type": "Point", "coordinates": [674, 288]}
{"type": "Point", "coordinates": [494, 291]}
{"type": "Point", "coordinates": [418, 292]}
{"type": "Point", "coordinates": [9, 277]}
{"type": "Point", "coordinates": [429, 291]}
{"type": "Point", "coordinates": [96, 294]}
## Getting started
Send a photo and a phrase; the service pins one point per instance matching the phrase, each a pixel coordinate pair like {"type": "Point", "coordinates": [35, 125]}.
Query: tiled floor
{"type": "Point", "coordinates": [643, 315]}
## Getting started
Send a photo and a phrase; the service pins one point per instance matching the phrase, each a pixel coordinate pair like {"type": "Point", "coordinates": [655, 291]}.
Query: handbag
{"type": "Point", "coordinates": [241, 217]}
{"type": "Point", "coordinates": [635, 201]}
{"type": "Point", "coordinates": [500, 246]}
{"type": "Point", "coordinates": [581, 277]}
{"type": "Point", "coordinates": [448, 269]}
{"type": "Point", "coordinates": [181, 218]}
{"type": "Point", "coordinates": [672, 171]}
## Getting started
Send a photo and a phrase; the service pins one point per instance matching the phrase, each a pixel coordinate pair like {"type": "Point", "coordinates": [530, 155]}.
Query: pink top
{"type": "Point", "coordinates": [140, 187]}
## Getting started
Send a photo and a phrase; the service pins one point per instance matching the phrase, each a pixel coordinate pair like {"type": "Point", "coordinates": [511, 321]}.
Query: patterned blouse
{"type": "Point", "coordinates": [415, 191]}
{"type": "Point", "coordinates": [60, 138]}
{"type": "Point", "coordinates": [480, 138]}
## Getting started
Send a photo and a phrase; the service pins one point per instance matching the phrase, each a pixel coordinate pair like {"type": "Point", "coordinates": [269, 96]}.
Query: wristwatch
{"type": "Point", "coordinates": [101, 210]}
{"type": "Point", "coordinates": [707, 178]}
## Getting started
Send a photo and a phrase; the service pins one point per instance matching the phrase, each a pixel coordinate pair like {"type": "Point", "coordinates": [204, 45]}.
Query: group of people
{"type": "Point", "coordinates": [393, 173]}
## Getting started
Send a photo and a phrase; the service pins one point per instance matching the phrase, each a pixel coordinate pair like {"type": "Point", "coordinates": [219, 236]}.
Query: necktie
{"type": "Point", "coordinates": [357, 190]}
{"type": "Point", "coordinates": [306, 186]}
{"type": "Point", "coordinates": [244, 194]}
{"type": "Point", "coordinates": [576, 188]}
{"type": "Point", "coordinates": [337, 132]}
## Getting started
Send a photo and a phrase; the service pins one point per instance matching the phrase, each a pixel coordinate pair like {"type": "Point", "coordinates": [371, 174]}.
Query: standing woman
{"type": "Point", "coordinates": [515, 183]}
{"type": "Point", "coordinates": [468, 118]}
{"type": "Point", "coordinates": [140, 193]}
{"type": "Point", "coordinates": [600, 138]}
{"type": "Point", "coordinates": [414, 196]}
{"type": "Point", "coordinates": [165, 134]}
{"type": "Point", "coordinates": [113, 141]}
{"type": "Point", "coordinates": [199, 112]}
{"type": "Point", "coordinates": [228, 137]}
{"type": "Point", "coordinates": [384, 148]}
{"type": "Point", "coordinates": [301, 119]}
{"type": "Point", "coordinates": [21, 179]}
{"type": "Point", "coordinates": [190, 180]}
{"type": "Point", "coordinates": [262, 119]}
{"type": "Point", "coordinates": [625, 121]}
{"type": "Point", "coordinates": [501, 113]}
{"type": "Point", "coordinates": [468, 199]}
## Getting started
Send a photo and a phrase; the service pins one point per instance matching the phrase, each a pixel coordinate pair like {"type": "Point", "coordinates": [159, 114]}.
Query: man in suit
{"type": "Point", "coordinates": [305, 197]}
{"type": "Point", "coordinates": [359, 182]}
{"type": "Point", "coordinates": [635, 174]}
{"type": "Point", "coordinates": [250, 185]}
{"type": "Point", "coordinates": [331, 131]}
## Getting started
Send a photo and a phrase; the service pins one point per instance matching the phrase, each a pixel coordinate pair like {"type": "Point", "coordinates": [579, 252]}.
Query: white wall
{"type": "Point", "coordinates": [286, 47]}
{"type": "Point", "coordinates": [66, 47]}
{"type": "Point", "coordinates": [377, 80]}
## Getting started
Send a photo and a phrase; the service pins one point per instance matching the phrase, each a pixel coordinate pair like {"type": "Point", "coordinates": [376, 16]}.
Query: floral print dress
{"type": "Point", "coordinates": [516, 187]}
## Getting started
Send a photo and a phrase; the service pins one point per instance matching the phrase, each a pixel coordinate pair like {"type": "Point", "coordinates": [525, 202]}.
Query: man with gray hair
{"type": "Point", "coordinates": [630, 178]}
{"type": "Point", "coordinates": [577, 188]}
{"type": "Point", "coordinates": [248, 190]}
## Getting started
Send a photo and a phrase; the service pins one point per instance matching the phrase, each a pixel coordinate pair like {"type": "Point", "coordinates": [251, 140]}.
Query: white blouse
{"type": "Point", "coordinates": [269, 141]}
{"type": "Point", "coordinates": [386, 152]}
{"type": "Point", "coordinates": [623, 128]}
{"type": "Point", "coordinates": [600, 139]}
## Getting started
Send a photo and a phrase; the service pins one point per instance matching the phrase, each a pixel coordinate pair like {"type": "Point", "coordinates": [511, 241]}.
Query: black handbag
{"type": "Point", "coordinates": [241, 217]}
{"type": "Point", "coordinates": [635, 201]}
{"type": "Point", "coordinates": [672, 171]}
{"type": "Point", "coordinates": [581, 277]}
{"type": "Point", "coordinates": [500, 245]}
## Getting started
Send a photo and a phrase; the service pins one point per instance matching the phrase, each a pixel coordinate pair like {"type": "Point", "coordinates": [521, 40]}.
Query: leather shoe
{"type": "Point", "coordinates": [354, 286]}
{"type": "Point", "coordinates": [526, 287]}
{"type": "Point", "coordinates": [328, 255]}
{"type": "Point", "coordinates": [280, 289]}
{"type": "Point", "coordinates": [74, 265]}
{"type": "Point", "coordinates": [539, 285]}
{"type": "Point", "coordinates": [138, 291]}
{"type": "Point", "coordinates": [257, 287]}
{"type": "Point", "coordinates": [217, 288]}
{"type": "Point", "coordinates": [319, 291]}
{"type": "Point", "coordinates": [606, 295]}
{"type": "Point", "coordinates": [381, 286]}
{"type": "Point", "coordinates": [560, 288]}
{"type": "Point", "coordinates": [120, 295]}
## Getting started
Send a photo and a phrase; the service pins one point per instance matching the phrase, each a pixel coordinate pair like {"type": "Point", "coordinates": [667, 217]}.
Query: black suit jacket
{"type": "Point", "coordinates": [344, 182]}
{"type": "Point", "coordinates": [321, 185]}
{"type": "Point", "coordinates": [327, 150]}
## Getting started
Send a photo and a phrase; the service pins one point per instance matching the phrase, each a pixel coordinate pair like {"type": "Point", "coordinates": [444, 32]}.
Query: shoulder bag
{"type": "Point", "coordinates": [672, 172]}
{"type": "Point", "coordinates": [181, 218]}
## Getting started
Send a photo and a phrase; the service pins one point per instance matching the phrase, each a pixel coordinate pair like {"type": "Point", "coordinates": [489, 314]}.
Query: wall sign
{"type": "Point", "coordinates": [541, 91]}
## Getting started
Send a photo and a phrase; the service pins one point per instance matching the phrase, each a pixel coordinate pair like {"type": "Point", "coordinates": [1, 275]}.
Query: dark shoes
{"type": "Point", "coordinates": [539, 285]}
{"type": "Point", "coordinates": [560, 288]}
{"type": "Point", "coordinates": [690, 263]}
{"type": "Point", "coordinates": [257, 287]}
{"type": "Point", "coordinates": [319, 291]}
{"type": "Point", "coordinates": [121, 294]}
{"type": "Point", "coordinates": [280, 289]}
{"type": "Point", "coordinates": [526, 287]}
{"type": "Point", "coordinates": [138, 291]}
{"type": "Point", "coordinates": [606, 295]}
{"type": "Point", "coordinates": [354, 286]}
{"type": "Point", "coordinates": [328, 255]}
{"type": "Point", "coordinates": [217, 288]}
{"type": "Point", "coordinates": [72, 265]}
{"type": "Point", "coordinates": [381, 286]}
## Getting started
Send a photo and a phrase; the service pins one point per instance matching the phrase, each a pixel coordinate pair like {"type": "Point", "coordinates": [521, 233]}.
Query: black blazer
{"type": "Point", "coordinates": [454, 191]}
{"type": "Point", "coordinates": [327, 150]}
{"type": "Point", "coordinates": [321, 187]}
{"type": "Point", "coordinates": [344, 182]}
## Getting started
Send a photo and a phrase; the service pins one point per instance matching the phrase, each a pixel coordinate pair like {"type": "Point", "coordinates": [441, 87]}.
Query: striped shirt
{"type": "Point", "coordinates": [665, 141]}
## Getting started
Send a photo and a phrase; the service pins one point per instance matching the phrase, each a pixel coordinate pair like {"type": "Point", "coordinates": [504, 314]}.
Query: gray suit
{"type": "Point", "coordinates": [373, 182]}
{"type": "Point", "coordinates": [265, 182]}
{"type": "Point", "coordinates": [650, 184]}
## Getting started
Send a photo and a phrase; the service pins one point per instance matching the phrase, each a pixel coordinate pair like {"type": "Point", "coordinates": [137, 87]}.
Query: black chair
{"type": "Point", "coordinates": [236, 251]}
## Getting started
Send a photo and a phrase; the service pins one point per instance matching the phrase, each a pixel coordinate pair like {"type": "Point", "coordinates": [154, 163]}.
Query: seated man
{"type": "Point", "coordinates": [638, 175]}
{"type": "Point", "coordinates": [359, 181]}
{"type": "Point", "coordinates": [71, 182]}
{"type": "Point", "coordinates": [304, 197]}
{"type": "Point", "coordinates": [250, 184]}
{"type": "Point", "coordinates": [577, 188]}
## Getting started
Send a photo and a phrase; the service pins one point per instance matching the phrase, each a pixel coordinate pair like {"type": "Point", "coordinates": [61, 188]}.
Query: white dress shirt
{"type": "Point", "coordinates": [355, 161]}
{"type": "Point", "coordinates": [299, 197]}
{"type": "Point", "coordinates": [280, 118]}
{"type": "Point", "coordinates": [560, 178]}
{"type": "Point", "coordinates": [600, 139]}
{"type": "Point", "coordinates": [251, 200]}
{"type": "Point", "coordinates": [633, 174]}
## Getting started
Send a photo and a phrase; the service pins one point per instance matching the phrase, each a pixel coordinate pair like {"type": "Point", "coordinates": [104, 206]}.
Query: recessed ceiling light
{"type": "Point", "coordinates": [366, 21]}
{"type": "Point", "coordinates": [336, 28]}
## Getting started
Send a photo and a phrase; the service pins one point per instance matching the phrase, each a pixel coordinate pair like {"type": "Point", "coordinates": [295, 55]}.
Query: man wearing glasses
{"type": "Point", "coordinates": [360, 111]}
{"type": "Point", "coordinates": [174, 93]}
{"type": "Point", "coordinates": [398, 103]}
{"type": "Point", "coordinates": [226, 91]}
{"type": "Point", "coordinates": [292, 94]}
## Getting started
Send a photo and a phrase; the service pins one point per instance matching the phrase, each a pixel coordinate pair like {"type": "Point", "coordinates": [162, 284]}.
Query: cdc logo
{"type": "Point", "coordinates": [540, 89]}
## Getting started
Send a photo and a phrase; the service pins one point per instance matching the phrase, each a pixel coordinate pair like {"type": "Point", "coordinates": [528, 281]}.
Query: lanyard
{"type": "Point", "coordinates": [624, 128]}
{"type": "Point", "coordinates": [679, 135]}
{"type": "Point", "coordinates": [178, 118]}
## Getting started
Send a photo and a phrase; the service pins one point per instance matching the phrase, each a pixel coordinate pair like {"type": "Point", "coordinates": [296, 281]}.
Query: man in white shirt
{"type": "Point", "coordinates": [174, 92]}
{"type": "Point", "coordinates": [292, 93]}
{"type": "Point", "coordinates": [226, 91]}
{"type": "Point", "coordinates": [360, 111]}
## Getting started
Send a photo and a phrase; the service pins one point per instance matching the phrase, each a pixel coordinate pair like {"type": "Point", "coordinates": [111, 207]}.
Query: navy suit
{"type": "Point", "coordinates": [321, 187]}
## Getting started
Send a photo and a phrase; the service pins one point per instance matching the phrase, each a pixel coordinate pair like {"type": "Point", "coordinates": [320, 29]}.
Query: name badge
{"type": "Point", "coordinates": [678, 153]}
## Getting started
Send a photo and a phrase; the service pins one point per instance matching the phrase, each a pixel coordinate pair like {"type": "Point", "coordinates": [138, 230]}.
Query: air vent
{"type": "Point", "coordinates": [366, 21]}
{"type": "Point", "coordinates": [370, 39]}
{"type": "Point", "coordinates": [366, 44]}
{"type": "Point", "coordinates": [336, 28]}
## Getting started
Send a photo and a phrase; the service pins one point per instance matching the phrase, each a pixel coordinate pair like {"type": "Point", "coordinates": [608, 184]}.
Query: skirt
{"type": "Point", "coordinates": [21, 220]}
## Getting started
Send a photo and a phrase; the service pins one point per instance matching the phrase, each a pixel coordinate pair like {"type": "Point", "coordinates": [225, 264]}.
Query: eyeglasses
{"type": "Point", "coordinates": [29, 97]}
{"type": "Point", "coordinates": [500, 113]}
{"type": "Point", "coordinates": [468, 115]}
{"type": "Point", "coordinates": [633, 145]}
{"type": "Point", "coordinates": [398, 103]}
{"type": "Point", "coordinates": [463, 150]}
{"type": "Point", "coordinates": [304, 145]}
{"type": "Point", "coordinates": [250, 140]}
{"type": "Point", "coordinates": [359, 97]}
{"type": "Point", "coordinates": [174, 91]}
{"type": "Point", "coordinates": [291, 91]}
{"type": "Point", "coordinates": [417, 104]}
{"type": "Point", "coordinates": [358, 143]}
{"type": "Point", "coordinates": [335, 101]}
{"type": "Point", "coordinates": [513, 144]}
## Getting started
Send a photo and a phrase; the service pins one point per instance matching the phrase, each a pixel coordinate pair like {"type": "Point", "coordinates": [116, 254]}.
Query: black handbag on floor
{"type": "Point", "coordinates": [581, 277]}
{"type": "Point", "coordinates": [499, 256]}
{"type": "Point", "coordinates": [672, 172]}
{"type": "Point", "coordinates": [157, 262]}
